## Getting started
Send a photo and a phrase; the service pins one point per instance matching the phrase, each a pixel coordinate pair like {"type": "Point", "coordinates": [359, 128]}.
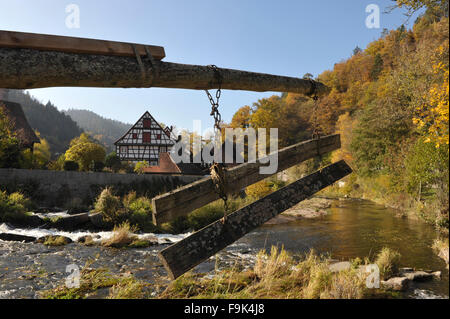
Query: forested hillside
{"type": "Point", "coordinates": [105, 130]}
{"type": "Point", "coordinates": [389, 102]}
{"type": "Point", "coordinates": [54, 126]}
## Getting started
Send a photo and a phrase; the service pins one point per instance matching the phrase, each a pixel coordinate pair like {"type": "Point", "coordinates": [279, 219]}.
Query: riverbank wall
{"type": "Point", "coordinates": [56, 188]}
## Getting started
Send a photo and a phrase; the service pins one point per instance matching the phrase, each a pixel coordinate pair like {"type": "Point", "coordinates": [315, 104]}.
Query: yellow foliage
{"type": "Point", "coordinates": [433, 115]}
{"type": "Point", "coordinates": [258, 190]}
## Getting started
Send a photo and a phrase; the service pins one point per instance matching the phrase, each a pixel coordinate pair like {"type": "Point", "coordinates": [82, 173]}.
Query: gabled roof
{"type": "Point", "coordinates": [19, 122]}
{"type": "Point", "coordinates": [166, 165]}
{"type": "Point", "coordinates": [146, 114]}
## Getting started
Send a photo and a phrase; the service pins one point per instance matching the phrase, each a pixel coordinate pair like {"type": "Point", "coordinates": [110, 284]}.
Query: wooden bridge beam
{"type": "Point", "coordinates": [191, 251]}
{"type": "Point", "coordinates": [29, 61]}
{"type": "Point", "coordinates": [183, 200]}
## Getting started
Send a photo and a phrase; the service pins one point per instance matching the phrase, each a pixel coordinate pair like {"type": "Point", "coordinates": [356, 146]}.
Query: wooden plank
{"type": "Point", "coordinates": [12, 39]}
{"type": "Point", "coordinates": [183, 200]}
{"type": "Point", "coordinates": [32, 69]}
{"type": "Point", "coordinates": [193, 250]}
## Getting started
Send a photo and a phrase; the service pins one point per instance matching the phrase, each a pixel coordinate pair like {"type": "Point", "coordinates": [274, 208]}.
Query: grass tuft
{"type": "Point", "coordinates": [388, 261]}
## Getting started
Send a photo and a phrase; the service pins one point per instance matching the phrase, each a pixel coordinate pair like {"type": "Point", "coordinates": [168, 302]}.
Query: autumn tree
{"type": "Point", "coordinates": [84, 151]}
{"type": "Point", "coordinates": [241, 119]}
{"type": "Point", "coordinates": [9, 144]}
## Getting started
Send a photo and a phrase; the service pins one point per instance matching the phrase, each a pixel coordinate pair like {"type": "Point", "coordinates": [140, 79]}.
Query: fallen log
{"type": "Point", "coordinates": [183, 200]}
{"type": "Point", "coordinates": [29, 61]}
{"type": "Point", "coordinates": [191, 251]}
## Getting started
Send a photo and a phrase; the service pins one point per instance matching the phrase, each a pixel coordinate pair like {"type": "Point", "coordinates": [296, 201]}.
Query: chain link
{"type": "Point", "coordinates": [215, 104]}
{"type": "Point", "coordinates": [217, 170]}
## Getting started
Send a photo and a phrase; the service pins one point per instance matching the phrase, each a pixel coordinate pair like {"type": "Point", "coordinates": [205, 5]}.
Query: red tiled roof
{"type": "Point", "coordinates": [166, 166]}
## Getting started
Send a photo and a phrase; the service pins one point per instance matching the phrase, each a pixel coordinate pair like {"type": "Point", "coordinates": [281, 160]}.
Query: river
{"type": "Point", "coordinates": [353, 228]}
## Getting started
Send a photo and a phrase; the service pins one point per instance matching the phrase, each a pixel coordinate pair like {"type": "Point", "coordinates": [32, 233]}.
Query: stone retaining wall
{"type": "Point", "coordinates": [56, 188]}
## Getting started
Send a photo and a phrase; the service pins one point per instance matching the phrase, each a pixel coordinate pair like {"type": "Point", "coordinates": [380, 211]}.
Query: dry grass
{"type": "Point", "coordinates": [123, 236]}
{"type": "Point", "coordinates": [110, 206]}
{"type": "Point", "coordinates": [275, 275]}
{"type": "Point", "coordinates": [388, 261]}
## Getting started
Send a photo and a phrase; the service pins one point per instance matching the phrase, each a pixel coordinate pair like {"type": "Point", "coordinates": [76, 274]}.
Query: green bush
{"type": "Point", "coordinates": [140, 212]}
{"type": "Point", "coordinates": [71, 166]}
{"type": "Point", "coordinates": [140, 166]}
{"type": "Point", "coordinates": [113, 162]}
{"type": "Point", "coordinates": [97, 166]}
{"type": "Point", "coordinates": [13, 207]}
{"type": "Point", "coordinates": [205, 215]}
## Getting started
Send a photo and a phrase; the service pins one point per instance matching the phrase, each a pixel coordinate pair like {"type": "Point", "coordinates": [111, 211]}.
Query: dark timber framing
{"type": "Point", "coordinates": [183, 200]}
{"type": "Point", "coordinates": [132, 146]}
{"type": "Point", "coordinates": [191, 251]}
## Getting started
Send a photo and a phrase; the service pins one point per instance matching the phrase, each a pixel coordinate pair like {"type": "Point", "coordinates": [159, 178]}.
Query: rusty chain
{"type": "Point", "coordinates": [217, 170]}
{"type": "Point", "coordinates": [215, 104]}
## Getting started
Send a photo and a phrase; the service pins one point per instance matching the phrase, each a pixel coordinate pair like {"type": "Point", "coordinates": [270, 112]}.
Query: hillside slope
{"type": "Point", "coordinates": [105, 130]}
{"type": "Point", "coordinates": [53, 125]}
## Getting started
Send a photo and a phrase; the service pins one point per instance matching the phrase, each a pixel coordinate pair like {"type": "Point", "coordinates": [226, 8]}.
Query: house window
{"type": "Point", "coordinates": [147, 123]}
{"type": "Point", "coordinates": [146, 137]}
{"type": "Point", "coordinates": [123, 149]}
{"type": "Point", "coordinates": [158, 136]}
{"type": "Point", "coordinates": [135, 136]}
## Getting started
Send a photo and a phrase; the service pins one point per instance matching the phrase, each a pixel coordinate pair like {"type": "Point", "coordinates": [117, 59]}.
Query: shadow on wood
{"type": "Point", "coordinates": [191, 251]}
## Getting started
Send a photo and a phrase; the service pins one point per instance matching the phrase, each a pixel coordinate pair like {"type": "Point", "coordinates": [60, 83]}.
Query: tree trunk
{"type": "Point", "coordinates": [30, 69]}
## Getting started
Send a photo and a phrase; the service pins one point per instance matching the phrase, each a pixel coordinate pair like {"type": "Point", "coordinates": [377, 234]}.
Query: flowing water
{"type": "Point", "coordinates": [353, 228]}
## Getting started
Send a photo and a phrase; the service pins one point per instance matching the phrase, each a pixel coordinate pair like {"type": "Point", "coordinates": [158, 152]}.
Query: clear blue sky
{"type": "Point", "coordinates": [279, 37]}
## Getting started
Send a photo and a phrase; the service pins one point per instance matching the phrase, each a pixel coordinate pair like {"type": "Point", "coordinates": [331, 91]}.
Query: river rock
{"type": "Point", "coordinates": [97, 220]}
{"type": "Point", "coordinates": [54, 239]}
{"type": "Point", "coordinates": [418, 275]}
{"type": "Point", "coordinates": [437, 274]}
{"type": "Point", "coordinates": [87, 240]}
{"type": "Point", "coordinates": [150, 238]}
{"type": "Point", "coordinates": [396, 283]}
{"type": "Point", "coordinates": [71, 222]}
{"type": "Point", "coordinates": [31, 221]}
{"type": "Point", "coordinates": [14, 237]}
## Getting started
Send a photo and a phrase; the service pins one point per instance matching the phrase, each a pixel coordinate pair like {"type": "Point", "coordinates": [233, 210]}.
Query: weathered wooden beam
{"type": "Point", "coordinates": [30, 69]}
{"type": "Point", "coordinates": [46, 42]}
{"type": "Point", "coordinates": [183, 200]}
{"type": "Point", "coordinates": [193, 250]}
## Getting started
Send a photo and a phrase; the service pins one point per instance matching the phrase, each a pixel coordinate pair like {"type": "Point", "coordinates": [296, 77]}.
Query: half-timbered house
{"type": "Point", "coordinates": [145, 141]}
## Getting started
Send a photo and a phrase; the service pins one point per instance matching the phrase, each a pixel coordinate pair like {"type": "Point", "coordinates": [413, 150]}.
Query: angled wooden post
{"type": "Point", "coordinates": [191, 251]}
{"type": "Point", "coordinates": [183, 200]}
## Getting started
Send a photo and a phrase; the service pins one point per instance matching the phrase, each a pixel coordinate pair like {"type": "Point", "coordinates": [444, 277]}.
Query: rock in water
{"type": "Point", "coordinates": [14, 237]}
{"type": "Point", "coordinates": [396, 283]}
{"type": "Point", "coordinates": [72, 222]}
{"type": "Point", "coordinates": [418, 275]}
{"type": "Point", "coordinates": [52, 240]}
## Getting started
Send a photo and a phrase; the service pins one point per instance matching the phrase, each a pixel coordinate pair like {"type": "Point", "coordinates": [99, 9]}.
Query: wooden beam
{"type": "Point", "coordinates": [31, 69]}
{"type": "Point", "coordinates": [183, 200]}
{"type": "Point", "coordinates": [193, 250]}
{"type": "Point", "coordinates": [22, 40]}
